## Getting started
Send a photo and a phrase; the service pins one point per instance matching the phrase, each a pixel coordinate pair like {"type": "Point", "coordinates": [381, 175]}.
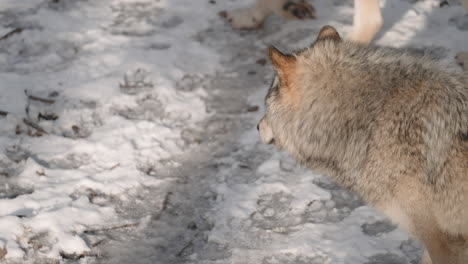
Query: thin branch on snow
{"type": "Point", "coordinates": [114, 166]}
{"type": "Point", "coordinates": [36, 98]}
{"type": "Point", "coordinates": [166, 201]}
{"type": "Point", "coordinates": [112, 227]}
{"type": "Point", "coordinates": [181, 252]}
{"type": "Point", "coordinates": [43, 100]}
{"type": "Point", "coordinates": [77, 256]}
{"type": "Point", "coordinates": [34, 125]}
{"type": "Point", "coordinates": [164, 206]}
{"type": "Point", "coordinates": [11, 33]}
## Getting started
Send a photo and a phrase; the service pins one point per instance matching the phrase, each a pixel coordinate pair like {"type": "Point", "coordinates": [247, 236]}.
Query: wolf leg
{"type": "Point", "coordinates": [250, 17]}
{"type": "Point", "coordinates": [367, 21]}
{"type": "Point", "coordinates": [254, 16]}
{"type": "Point", "coordinates": [293, 9]}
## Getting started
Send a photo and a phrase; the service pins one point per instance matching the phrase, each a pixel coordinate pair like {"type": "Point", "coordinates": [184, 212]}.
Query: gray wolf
{"type": "Point", "coordinates": [389, 124]}
{"type": "Point", "coordinates": [367, 19]}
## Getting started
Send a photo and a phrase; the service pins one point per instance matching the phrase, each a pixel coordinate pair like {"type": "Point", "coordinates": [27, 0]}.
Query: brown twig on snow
{"type": "Point", "coordinates": [166, 201]}
{"type": "Point", "coordinates": [112, 227]}
{"type": "Point", "coordinates": [164, 206]}
{"type": "Point", "coordinates": [182, 251]}
{"type": "Point", "coordinates": [39, 99]}
{"type": "Point", "coordinates": [49, 117]}
{"type": "Point", "coordinates": [11, 33]}
{"type": "Point", "coordinates": [34, 125]}
{"type": "Point", "coordinates": [43, 100]}
{"type": "Point", "coordinates": [40, 173]}
{"type": "Point", "coordinates": [77, 256]}
{"type": "Point", "coordinates": [114, 166]}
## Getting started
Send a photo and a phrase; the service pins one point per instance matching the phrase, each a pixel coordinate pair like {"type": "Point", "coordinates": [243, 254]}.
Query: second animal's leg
{"type": "Point", "coordinates": [250, 17]}
{"type": "Point", "coordinates": [293, 9]}
{"type": "Point", "coordinates": [367, 21]}
{"type": "Point", "coordinates": [254, 16]}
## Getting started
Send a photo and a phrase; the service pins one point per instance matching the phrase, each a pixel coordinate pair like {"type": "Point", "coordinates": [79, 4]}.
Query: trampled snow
{"type": "Point", "coordinates": [129, 136]}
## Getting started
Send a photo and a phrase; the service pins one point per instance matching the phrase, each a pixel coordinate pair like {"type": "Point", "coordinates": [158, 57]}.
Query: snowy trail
{"type": "Point", "coordinates": [110, 113]}
{"type": "Point", "coordinates": [149, 152]}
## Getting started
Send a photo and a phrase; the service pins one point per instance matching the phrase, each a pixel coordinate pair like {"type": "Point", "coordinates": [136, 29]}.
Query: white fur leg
{"type": "Point", "coordinates": [462, 60]}
{"type": "Point", "coordinates": [250, 17]}
{"type": "Point", "coordinates": [367, 20]}
{"type": "Point", "coordinates": [293, 9]}
{"type": "Point", "coordinates": [254, 16]}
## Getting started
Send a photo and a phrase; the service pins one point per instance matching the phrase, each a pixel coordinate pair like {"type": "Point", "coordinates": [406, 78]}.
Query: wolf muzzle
{"type": "Point", "coordinates": [266, 134]}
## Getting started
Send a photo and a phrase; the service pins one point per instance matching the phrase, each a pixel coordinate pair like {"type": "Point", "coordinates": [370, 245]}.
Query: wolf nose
{"type": "Point", "coordinates": [258, 126]}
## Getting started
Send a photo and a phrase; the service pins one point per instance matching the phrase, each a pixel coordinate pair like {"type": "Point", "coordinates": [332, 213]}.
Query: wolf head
{"type": "Point", "coordinates": [315, 107]}
{"type": "Point", "coordinates": [333, 103]}
{"type": "Point", "coordinates": [286, 92]}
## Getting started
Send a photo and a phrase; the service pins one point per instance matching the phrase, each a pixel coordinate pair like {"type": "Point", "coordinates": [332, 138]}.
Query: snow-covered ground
{"type": "Point", "coordinates": [128, 136]}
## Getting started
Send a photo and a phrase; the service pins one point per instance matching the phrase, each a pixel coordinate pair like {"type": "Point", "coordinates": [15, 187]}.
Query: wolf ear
{"type": "Point", "coordinates": [328, 32]}
{"type": "Point", "coordinates": [285, 66]}
{"type": "Point", "coordinates": [281, 62]}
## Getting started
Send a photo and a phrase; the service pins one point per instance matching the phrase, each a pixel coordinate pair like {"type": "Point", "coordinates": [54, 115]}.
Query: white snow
{"type": "Point", "coordinates": [125, 80]}
{"type": "Point", "coordinates": [70, 49]}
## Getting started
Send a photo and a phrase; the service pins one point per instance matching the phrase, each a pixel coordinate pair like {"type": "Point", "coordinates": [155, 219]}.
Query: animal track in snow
{"type": "Point", "coordinates": [275, 213]}
{"type": "Point", "coordinates": [290, 258]}
{"type": "Point", "coordinates": [60, 115]}
{"type": "Point", "coordinates": [377, 228]}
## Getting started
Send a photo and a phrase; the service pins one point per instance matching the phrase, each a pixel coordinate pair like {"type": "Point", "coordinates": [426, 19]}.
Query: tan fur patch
{"type": "Point", "coordinates": [286, 67]}
{"type": "Point", "coordinates": [328, 32]}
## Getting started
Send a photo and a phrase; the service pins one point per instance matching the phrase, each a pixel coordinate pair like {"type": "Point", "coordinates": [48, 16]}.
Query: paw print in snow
{"type": "Point", "coordinates": [190, 82]}
{"type": "Point", "coordinates": [135, 82]}
{"type": "Point", "coordinates": [461, 22]}
{"type": "Point", "coordinates": [377, 228]}
{"type": "Point", "coordinates": [386, 258]}
{"type": "Point", "coordinates": [290, 258]}
{"type": "Point", "coordinates": [275, 213]}
{"type": "Point", "coordinates": [148, 107]}
{"type": "Point", "coordinates": [50, 113]}
{"type": "Point", "coordinates": [340, 205]}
